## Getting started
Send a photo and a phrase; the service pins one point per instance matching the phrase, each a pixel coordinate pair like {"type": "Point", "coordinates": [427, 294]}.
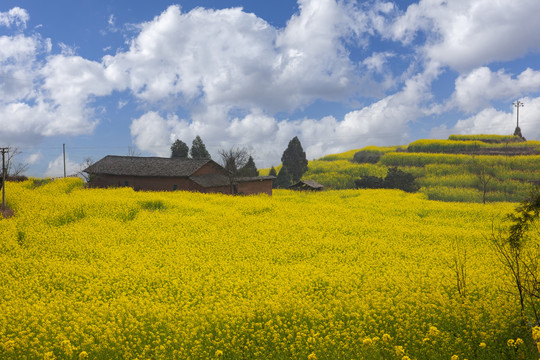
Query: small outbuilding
{"type": "Point", "coordinates": [307, 185]}
{"type": "Point", "coordinates": [168, 174]}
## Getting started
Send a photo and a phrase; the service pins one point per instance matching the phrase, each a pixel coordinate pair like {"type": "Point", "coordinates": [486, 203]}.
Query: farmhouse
{"type": "Point", "coordinates": [168, 174]}
{"type": "Point", "coordinates": [310, 185]}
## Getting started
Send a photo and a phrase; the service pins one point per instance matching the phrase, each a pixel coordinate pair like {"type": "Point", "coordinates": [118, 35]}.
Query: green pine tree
{"type": "Point", "coordinates": [179, 149]}
{"type": "Point", "coordinates": [273, 173]}
{"type": "Point", "coordinates": [294, 159]}
{"type": "Point", "coordinates": [249, 170]}
{"type": "Point", "coordinates": [198, 149]}
{"type": "Point", "coordinates": [283, 180]}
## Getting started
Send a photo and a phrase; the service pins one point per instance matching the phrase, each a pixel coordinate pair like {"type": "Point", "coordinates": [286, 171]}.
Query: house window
{"type": "Point", "coordinates": [175, 187]}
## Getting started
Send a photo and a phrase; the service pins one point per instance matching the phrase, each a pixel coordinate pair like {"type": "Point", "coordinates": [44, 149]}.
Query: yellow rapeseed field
{"type": "Point", "coordinates": [354, 274]}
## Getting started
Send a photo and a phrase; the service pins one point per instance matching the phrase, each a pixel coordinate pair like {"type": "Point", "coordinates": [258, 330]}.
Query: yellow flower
{"type": "Point", "coordinates": [536, 333]}
{"type": "Point", "coordinates": [482, 345]}
{"type": "Point", "coordinates": [433, 331]}
{"type": "Point", "coordinates": [367, 341]}
{"type": "Point", "coordinates": [312, 356]}
{"type": "Point", "coordinates": [399, 350]}
{"type": "Point", "coordinates": [66, 347]}
{"type": "Point", "coordinates": [405, 358]}
{"type": "Point", "coordinates": [454, 357]}
{"type": "Point", "coordinates": [386, 337]}
{"type": "Point", "coordinates": [510, 343]}
{"type": "Point", "coordinates": [219, 353]}
{"type": "Point", "coordinates": [518, 342]}
{"type": "Point", "coordinates": [83, 355]}
{"type": "Point", "coordinates": [49, 356]}
{"type": "Point", "coordinates": [9, 345]}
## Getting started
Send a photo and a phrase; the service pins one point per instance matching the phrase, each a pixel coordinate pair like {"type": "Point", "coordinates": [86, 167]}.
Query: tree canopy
{"type": "Point", "coordinates": [198, 149]}
{"type": "Point", "coordinates": [249, 169]}
{"type": "Point", "coordinates": [283, 179]}
{"type": "Point", "coordinates": [179, 149]}
{"type": "Point", "coordinates": [294, 159]}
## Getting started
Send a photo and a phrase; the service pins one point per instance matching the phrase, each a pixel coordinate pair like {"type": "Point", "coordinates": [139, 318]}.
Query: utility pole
{"type": "Point", "coordinates": [518, 104]}
{"type": "Point", "coordinates": [64, 153]}
{"type": "Point", "coordinates": [4, 151]}
{"type": "Point", "coordinates": [517, 132]}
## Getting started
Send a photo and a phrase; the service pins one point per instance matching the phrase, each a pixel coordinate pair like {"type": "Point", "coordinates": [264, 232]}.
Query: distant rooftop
{"type": "Point", "coordinates": [146, 166]}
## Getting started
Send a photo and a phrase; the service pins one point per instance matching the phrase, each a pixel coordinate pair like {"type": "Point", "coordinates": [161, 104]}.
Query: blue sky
{"type": "Point", "coordinates": [106, 76]}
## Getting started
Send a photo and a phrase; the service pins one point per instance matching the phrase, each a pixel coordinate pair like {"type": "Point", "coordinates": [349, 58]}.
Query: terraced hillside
{"type": "Point", "coordinates": [457, 169]}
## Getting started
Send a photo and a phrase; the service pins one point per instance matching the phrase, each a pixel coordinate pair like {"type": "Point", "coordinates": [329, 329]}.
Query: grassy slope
{"type": "Point", "coordinates": [444, 168]}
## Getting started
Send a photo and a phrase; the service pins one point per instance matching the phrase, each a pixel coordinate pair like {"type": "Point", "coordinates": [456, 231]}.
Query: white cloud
{"type": "Point", "coordinates": [17, 67]}
{"type": "Point", "coordinates": [492, 121]}
{"type": "Point", "coordinates": [154, 134]}
{"type": "Point", "coordinates": [209, 62]}
{"type": "Point", "coordinates": [384, 122]}
{"type": "Point", "coordinates": [377, 61]}
{"type": "Point", "coordinates": [477, 89]}
{"type": "Point", "coordinates": [16, 16]}
{"type": "Point", "coordinates": [34, 158]}
{"type": "Point", "coordinates": [465, 34]}
{"type": "Point", "coordinates": [56, 167]}
{"type": "Point", "coordinates": [229, 57]}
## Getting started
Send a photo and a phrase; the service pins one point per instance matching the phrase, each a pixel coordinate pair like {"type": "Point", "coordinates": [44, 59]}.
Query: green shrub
{"type": "Point", "coordinates": [152, 205]}
{"type": "Point", "coordinates": [395, 179]}
{"type": "Point", "coordinates": [366, 157]}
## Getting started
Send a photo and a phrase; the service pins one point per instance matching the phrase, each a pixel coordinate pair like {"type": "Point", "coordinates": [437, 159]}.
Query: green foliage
{"type": "Point", "coordinates": [518, 250]}
{"type": "Point", "coordinates": [370, 182]}
{"type": "Point", "coordinates": [249, 170]}
{"type": "Point", "coordinates": [340, 174]}
{"type": "Point", "coordinates": [398, 179]}
{"type": "Point", "coordinates": [284, 179]}
{"type": "Point", "coordinates": [294, 159]}
{"type": "Point", "coordinates": [198, 149]}
{"type": "Point", "coordinates": [366, 157]}
{"type": "Point", "coordinates": [395, 179]}
{"type": "Point", "coordinates": [152, 205]}
{"type": "Point", "coordinates": [67, 217]}
{"type": "Point", "coordinates": [179, 149]}
{"type": "Point", "coordinates": [272, 172]}
{"type": "Point", "coordinates": [524, 218]}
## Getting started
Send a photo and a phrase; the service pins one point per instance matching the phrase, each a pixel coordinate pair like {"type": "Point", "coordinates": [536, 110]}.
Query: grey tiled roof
{"type": "Point", "coordinates": [210, 180]}
{"type": "Point", "coordinates": [310, 183]}
{"type": "Point", "coordinates": [146, 166]}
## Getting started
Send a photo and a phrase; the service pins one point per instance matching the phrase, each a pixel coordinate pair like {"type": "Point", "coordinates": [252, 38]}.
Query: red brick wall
{"type": "Point", "coordinates": [167, 184]}
{"type": "Point", "coordinates": [255, 187]}
{"type": "Point", "coordinates": [145, 183]}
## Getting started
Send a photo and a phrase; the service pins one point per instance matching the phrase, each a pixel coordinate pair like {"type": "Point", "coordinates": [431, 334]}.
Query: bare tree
{"type": "Point", "coordinates": [233, 160]}
{"type": "Point", "coordinates": [133, 152]}
{"type": "Point", "coordinates": [15, 168]}
{"type": "Point", "coordinates": [484, 175]}
{"type": "Point", "coordinates": [85, 164]}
